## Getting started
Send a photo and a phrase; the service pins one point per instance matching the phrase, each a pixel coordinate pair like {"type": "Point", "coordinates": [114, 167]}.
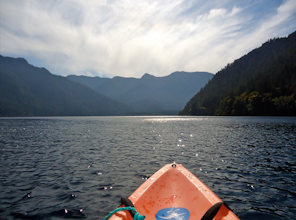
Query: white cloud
{"type": "Point", "coordinates": [130, 38]}
{"type": "Point", "coordinates": [284, 13]}
{"type": "Point", "coordinates": [214, 13]}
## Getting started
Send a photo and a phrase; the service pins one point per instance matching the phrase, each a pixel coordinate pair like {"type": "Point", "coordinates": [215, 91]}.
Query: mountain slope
{"type": "Point", "coordinates": [262, 82]}
{"type": "Point", "coordinates": [26, 90]}
{"type": "Point", "coordinates": [162, 93]}
{"type": "Point", "coordinates": [91, 82]}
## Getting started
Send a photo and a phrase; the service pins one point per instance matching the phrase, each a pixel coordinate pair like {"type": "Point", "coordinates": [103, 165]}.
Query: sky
{"type": "Point", "coordinates": [129, 38]}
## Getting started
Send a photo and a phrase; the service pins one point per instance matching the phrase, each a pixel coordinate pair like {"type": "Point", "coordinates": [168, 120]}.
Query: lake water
{"type": "Point", "coordinates": [80, 167]}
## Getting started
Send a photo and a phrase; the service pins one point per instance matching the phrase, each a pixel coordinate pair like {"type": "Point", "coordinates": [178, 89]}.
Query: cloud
{"type": "Point", "coordinates": [214, 13]}
{"type": "Point", "coordinates": [130, 38]}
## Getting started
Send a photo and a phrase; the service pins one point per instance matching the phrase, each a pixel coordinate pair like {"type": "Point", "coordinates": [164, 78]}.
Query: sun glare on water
{"type": "Point", "coordinates": [163, 119]}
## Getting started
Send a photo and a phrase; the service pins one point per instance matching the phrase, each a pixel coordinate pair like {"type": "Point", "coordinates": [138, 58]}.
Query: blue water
{"type": "Point", "coordinates": [80, 167]}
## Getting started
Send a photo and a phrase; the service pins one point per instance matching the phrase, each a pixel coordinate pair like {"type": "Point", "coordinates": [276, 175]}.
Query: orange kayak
{"type": "Point", "coordinates": [174, 193]}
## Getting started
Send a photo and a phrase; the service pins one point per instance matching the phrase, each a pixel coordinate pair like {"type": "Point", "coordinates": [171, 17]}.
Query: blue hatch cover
{"type": "Point", "coordinates": [173, 214]}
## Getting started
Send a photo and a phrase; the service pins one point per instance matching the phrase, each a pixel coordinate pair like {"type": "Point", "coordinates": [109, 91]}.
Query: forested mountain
{"type": "Point", "coordinates": [26, 90]}
{"type": "Point", "coordinates": [263, 82]}
{"type": "Point", "coordinates": [149, 94]}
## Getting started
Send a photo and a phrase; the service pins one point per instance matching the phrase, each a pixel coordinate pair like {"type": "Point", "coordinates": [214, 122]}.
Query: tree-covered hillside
{"type": "Point", "coordinates": [26, 90]}
{"type": "Point", "coordinates": [262, 82]}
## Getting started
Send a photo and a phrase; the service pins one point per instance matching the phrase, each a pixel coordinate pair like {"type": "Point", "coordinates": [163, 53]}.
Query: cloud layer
{"type": "Point", "coordinates": [129, 38]}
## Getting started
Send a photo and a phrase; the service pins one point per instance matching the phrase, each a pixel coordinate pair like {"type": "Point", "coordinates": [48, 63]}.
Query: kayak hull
{"type": "Point", "coordinates": [171, 192]}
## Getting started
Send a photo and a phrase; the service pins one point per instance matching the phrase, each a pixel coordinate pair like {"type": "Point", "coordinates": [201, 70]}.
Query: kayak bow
{"type": "Point", "coordinates": [174, 193]}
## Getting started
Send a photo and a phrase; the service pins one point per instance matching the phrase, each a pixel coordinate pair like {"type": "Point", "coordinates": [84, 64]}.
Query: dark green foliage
{"type": "Point", "coordinates": [262, 82]}
{"type": "Point", "coordinates": [26, 90]}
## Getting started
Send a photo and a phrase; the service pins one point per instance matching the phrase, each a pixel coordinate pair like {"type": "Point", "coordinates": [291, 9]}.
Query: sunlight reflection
{"type": "Point", "coordinates": [166, 119]}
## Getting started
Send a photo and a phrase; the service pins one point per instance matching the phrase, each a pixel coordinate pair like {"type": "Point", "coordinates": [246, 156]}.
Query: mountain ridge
{"type": "Point", "coordinates": [26, 90]}
{"type": "Point", "coordinates": [170, 92]}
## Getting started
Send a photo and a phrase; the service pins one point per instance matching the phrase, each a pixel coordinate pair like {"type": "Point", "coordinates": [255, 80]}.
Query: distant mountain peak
{"type": "Point", "coordinates": [150, 93]}
{"type": "Point", "coordinates": [147, 75]}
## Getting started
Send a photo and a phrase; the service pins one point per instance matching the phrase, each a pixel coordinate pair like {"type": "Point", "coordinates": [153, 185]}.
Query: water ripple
{"type": "Point", "coordinates": [80, 167]}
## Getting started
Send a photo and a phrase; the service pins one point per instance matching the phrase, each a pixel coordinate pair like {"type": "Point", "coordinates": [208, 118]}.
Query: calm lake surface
{"type": "Point", "coordinates": [80, 167]}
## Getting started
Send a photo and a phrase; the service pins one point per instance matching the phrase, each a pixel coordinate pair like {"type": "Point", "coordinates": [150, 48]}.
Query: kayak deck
{"type": "Point", "coordinates": [171, 189]}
